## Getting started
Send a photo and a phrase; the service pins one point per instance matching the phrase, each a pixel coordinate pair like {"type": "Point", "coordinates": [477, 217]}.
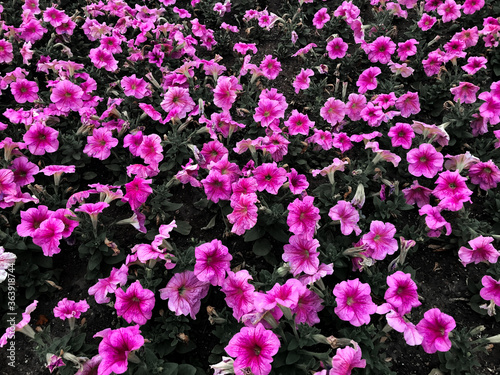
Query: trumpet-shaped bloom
{"type": "Point", "coordinates": [137, 192]}
{"type": "Point", "coordinates": [345, 360]}
{"type": "Point", "coordinates": [41, 139]}
{"type": "Point", "coordinates": [472, 6]}
{"type": "Point", "coordinates": [135, 305]}
{"type": "Point", "coordinates": [408, 104]}
{"type": "Point", "coordinates": [303, 217]}
{"type": "Point", "coordinates": [348, 217]}
{"type": "Point", "coordinates": [298, 123]}
{"type": "Point", "coordinates": [321, 17]}
{"type": "Point", "coordinates": [177, 102]}
{"type": "Point", "coordinates": [302, 80]}
{"type": "Point", "coordinates": [434, 220]}
{"type": "Point", "coordinates": [424, 161]}
{"type": "Point", "coordinates": [417, 194]}
{"type": "Point", "coordinates": [6, 49]}
{"type": "Point", "coordinates": [239, 292]}
{"type": "Point", "coordinates": [380, 240]}
{"type": "Point", "coordinates": [485, 174]}
{"type": "Point", "coordinates": [401, 135]}
{"type": "Point", "coordinates": [184, 292]}
{"type": "Point", "coordinates": [217, 186]}
{"type": "Point", "coordinates": [67, 309]}
{"type": "Point", "coordinates": [354, 303]}
{"type": "Point", "coordinates": [336, 48]}
{"type": "Point", "coordinates": [150, 149]}
{"type": "Point", "coordinates": [48, 235]}
{"type": "Point", "coordinates": [115, 348]}
{"type": "Point", "coordinates": [269, 177]}
{"type": "Point", "coordinates": [449, 10]}
{"type": "Point", "coordinates": [402, 292]}
{"type": "Point", "coordinates": [225, 92]}
{"type": "Point", "coordinates": [302, 255]}
{"type": "Point", "coordinates": [253, 348]}
{"type": "Point", "coordinates": [333, 111]}
{"type": "Point", "coordinates": [465, 92]}
{"type": "Point", "coordinates": [381, 49]}
{"type": "Point", "coordinates": [136, 87]}
{"type": "Point", "coordinates": [24, 91]}
{"type": "Point", "coordinates": [109, 284]}
{"type": "Point", "coordinates": [490, 290]}
{"type": "Point", "coordinates": [23, 171]}
{"type": "Point", "coordinates": [244, 215]}
{"type": "Point", "coordinates": [67, 96]}
{"type": "Point", "coordinates": [212, 262]}
{"type": "Point", "coordinates": [270, 67]}
{"type": "Point", "coordinates": [367, 79]}
{"type": "Point", "coordinates": [406, 49]}
{"type": "Point", "coordinates": [474, 64]}
{"type": "Point", "coordinates": [435, 327]}
{"type": "Point", "coordinates": [100, 143]}
{"type": "Point", "coordinates": [451, 184]}
{"type": "Point", "coordinates": [482, 251]}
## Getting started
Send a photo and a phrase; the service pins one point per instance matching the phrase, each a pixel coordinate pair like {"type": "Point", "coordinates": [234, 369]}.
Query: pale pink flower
{"type": "Point", "coordinates": [408, 104]}
{"type": "Point", "coordinates": [6, 54]}
{"type": "Point", "coordinates": [465, 92]}
{"type": "Point", "coordinates": [333, 111]}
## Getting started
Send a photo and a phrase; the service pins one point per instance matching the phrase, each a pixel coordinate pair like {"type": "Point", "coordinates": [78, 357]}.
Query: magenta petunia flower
{"type": "Point", "coordinates": [177, 102]}
{"type": "Point", "coordinates": [136, 87]}
{"type": "Point", "coordinates": [67, 309]}
{"type": "Point", "coordinates": [485, 174]}
{"type": "Point", "coordinates": [184, 292]}
{"type": "Point", "coordinates": [48, 235]}
{"type": "Point", "coordinates": [135, 305]}
{"type": "Point", "coordinates": [490, 290]}
{"type": "Point", "coordinates": [23, 171]}
{"type": "Point", "coordinates": [402, 292]}
{"type": "Point", "coordinates": [435, 327]}
{"type": "Point", "coordinates": [482, 251]}
{"type": "Point", "coordinates": [302, 80]}
{"type": "Point", "coordinates": [345, 360]}
{"type": "Point", "coordinates": [212, 262]}
{"type": "Point", "coordinates": [57, 171]}
{"type": "Point", "coordinates": [354, 303]}
{"type": "Point", "coordinates": [449, 184]}
{"type": "Point", "coordinates": [465, 92]}
{"type": "Point", "coordinates": [302, 255]}
{"type": "Point", "coordinates": [355, 104]}
{"type": "Point", "coordinates": [381, 49]}
{"type": "Point", "coordinates": [474, 64]}
{"type": "Point", "coordinates": [336, 48]}
{"type": "Point", "coordinates": [333, 111]}
{"type": "Point", "coordinates": [244, 215]}
{"type": "Point", "coordinates": [270, 67]}
{"type": "Point", "coordinates": [490, 109]}
{"type": "Point", "coordinates": [217, 186]}
{"type": "Point", "coordinates": [116, 347]}
{"type": "Point", "coordinates": [424, 161]}
{"type": "Point", "coordinates": [434, 220]}
{"type": "Point", "coordinates": [102, 58]}
{"type": "Point", "coordinates": [407, 48]}
{"type": "Point", "coordinates": [67, 96]}
{"type": "Point", "coordinates": [109, 284]}
{"type": "Point", "coordinates": [100, 143]}
{"type": "Point", "coordinates": [417, 194]}
{"type": "Point", "coordinates": [367, 80]}
{"type": "Point", "coordinates": [41, 139]}
{"type": "Point", "coordinates": [268, 111]}
{"type": "Point", "coordinates": [137, 192]}
{"type": "Point", "coordinates": [24, 91]}
{"type": "Point", "coordinates": [308, 306]}
{"type": "Point", "coordinates": [269, 177]}
{"type": "Point", "coordinates": [348, 217]}
{"type": "Point", "coordinates": [31, 220]}
{"type": "Point", "coordinates": [6, 54]}
{"type": "Point", "coordinates": [401, 135]}
{"type": "Point", "coordinates": [225, 92]}
{"type": "Point", "coordinates": [303, 217]}
{"type": "Point", "coordinates": [253, 348]}
{"type": "Point", "coordinates": [150, 149]}
{"type": "Point", "coordinates": [297, 182]}
{"type": "Point", "coordinates": [239, 292]}
{"type": "Point", "coordinates": [449, 10]}
{"type": "Point", "coordinates": [380, 240]}
{"type": "Point", "coordinates": [472, 6]}
{"type": "Point", "coordinates": [408, 104]}
{"type": "Point", "coordinates": [321, 17]}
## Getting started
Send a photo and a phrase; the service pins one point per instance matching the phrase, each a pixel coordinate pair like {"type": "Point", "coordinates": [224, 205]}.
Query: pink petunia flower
{"type": "Point", "coordinates": [67, 96]}
{"type": "Point", "coordinates": [435, 327]}
{"type": "Point", "coordinates": [302, 80]}
{"type": "Point", "coordinates": [380, 241]}
{"type": "Point", "coordinates": [321, 17]}
{"type": "Point", "coordinates": [6, 54]}
{"type": "Point", "coordinates": [239, 292]}
{"type": "Point", "coordinates": [268, 111]}
{"type": "Point", "coordinates": [137, 192]}
{"type": "Point", "coordinates": [298, 123]}
{"type": "Point", "coordinates": [7, 259]}
{"type": "Point", "coordinates": [136, 87]}
{"type": "Point", "coordinates": [465, 92]}
{"type": "Point", "coordinates": [401, 135]}
{"type": "Point", "coordinates": [103, 58]}
{"type": "Point", "coordinates": [451, 183]}
{"type": "Point", "coordinates": [355, 105]}
{"type": "Point", "coordinates": [490, 109]}
{"type": "Point", "coordinates": [408, 104]}
{"type": "Point", "coordinates": [348, 217]}
{"type": "Point", "coordinates": [23, 171]}
{"type": "Point", "coordinates": [217, 186]}
{"type": "Point", "coordinates": [490, 290]}
{"type": "Point", "coordinates": [115, 348]}
{"type": "Point", "coordinates": [269, 177]}
{"type": "Point", "coordinates": [297, 182]}
{"type": "Point", "coordinates": [402, 292]}
{"type": "Point", "coordinates": [253, 348]}
{"type": "Point", "coordinates": [485, 174]}
{"type": "Point", "coordinates": [336, 48]}
{"type": "Point", "coordinates": [303, 217]}
{"type": "Point", "coordinates": [57, 171]}
{"type": "Point", "coordinates": [381, 50]}
{"type": "Point", "coordinates": [333, 111]}
{"type": "Point", "coordinates": [474, 64]}
{"type": "Point", "coordinates": [71, 310]}
{"type": "Point", "coordinates": [432, 65]}
{"type": "Point", "coordinates": [212, 262]}
{"type": "Point", "coordinates": [302, 255]}
{"type": "Point", "coordinates": [406, 49]}
{"type": "Point", "coordinates": [48, 235]}
{"type": "Point", "coordinates": [417, 194]}
{"type": "Point", "coordinates": [270, 67]}
{"type": "Point", "coordinates": [449, 10]}
{"type": "Point", "coordinates": [434, 220]}
{"type": "Point", "coordinates": [345, 360]}
{"type": "Point", "coordinates": [24, 91]}
{"type": "Point", "coordinates": [367, 79]}
{"type": "Point", "coordinates": [244, 215]}
{"type": "Point", "coordinates": [135, 305]}
{"type": "Point", "coordinates": [184, 292]}
{"type": "Point", "coordinates": [354, 303]}
{"type": "Point", "coordinates": [22, 326]}
{"type": "Point", "coordinates": [472, 6]}
{"type": "Point", "coordinates": [109, 284]}
{"type": "Point", "coordinates": [41, 139]}
{"type": "Point", "coordinates": [177, 102]}
{"type": "Point", "coordinates": [482, 251]}
{"type": "Point", "coordinates": [424, 161]}
{"type": "Point", "coordinates": [100, 143]}
{"type": "Point", "coordinates": [308, 306]}
{"type": "Point", "coordinates": [225, 92]}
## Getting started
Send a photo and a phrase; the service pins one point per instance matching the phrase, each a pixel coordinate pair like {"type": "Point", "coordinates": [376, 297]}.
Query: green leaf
{"type": "Point", "coordinates": [186, 369]}
{"type": "Point", "coordinates": [77, 342]}
{"type": "Point", "coordinates": [170, 369]}
{"type": "Point", "coordinates": [95, 260]}
{"type": "Point", "coordinates": [254, 234]}
{"type": "Point", "coordinates": [261, 247]}
{"type": "Point", "coordinates": [210, 224]}
{"type": "Point", "coordinates": [89, 175]}
{"type": "Point", "coordinates": [30, 292]}
{"type": "Point", "coordinates": [183, 227]}
{"type": "Point", "coordinates": [114, 167]}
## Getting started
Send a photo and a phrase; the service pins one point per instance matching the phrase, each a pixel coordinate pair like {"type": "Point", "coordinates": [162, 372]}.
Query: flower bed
{"type": "Point", "coordinates": [205, 187]}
